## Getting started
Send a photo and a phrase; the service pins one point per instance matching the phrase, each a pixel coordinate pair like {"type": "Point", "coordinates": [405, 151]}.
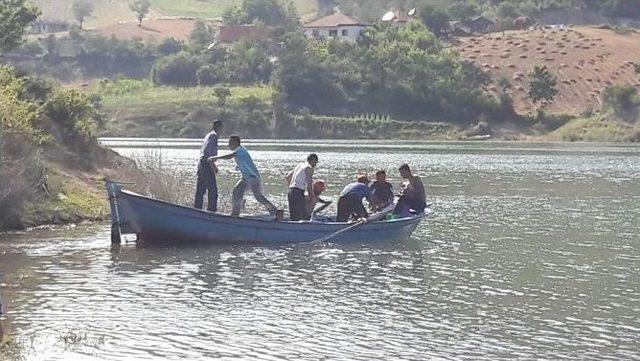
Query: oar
{"type": "Point", "coordinates": [373, 217]}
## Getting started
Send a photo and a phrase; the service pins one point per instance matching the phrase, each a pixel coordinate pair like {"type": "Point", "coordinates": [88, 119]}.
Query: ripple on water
{"type": "Point", "coordinates": [530, 254]}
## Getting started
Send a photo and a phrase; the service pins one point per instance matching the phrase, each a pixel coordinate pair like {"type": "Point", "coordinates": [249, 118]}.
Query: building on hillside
{"type": "Point", "coordinates": [336, 25]}
{"type": "Point", "coordinates": [49, 26]}
{"type": "Point", "coordinates": [472, 26]}
{"type": "Point", "coordinates": [396, 17]}
{"type": "Point", "coordinates": [228, 34]}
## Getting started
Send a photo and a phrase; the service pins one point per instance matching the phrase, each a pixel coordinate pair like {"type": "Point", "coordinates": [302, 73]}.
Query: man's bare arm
{"type": "Point", "coordinates": [218, 157]}
{"type": "Point", "coordinates": [309, 176]}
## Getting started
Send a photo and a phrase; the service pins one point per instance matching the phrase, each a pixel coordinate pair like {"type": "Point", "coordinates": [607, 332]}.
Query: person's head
{"type": "Point", "coordinates": [234, 142]}
{"type": "Point", "coordinates": [319, 186]}
{"type": "Point", "coordinates": [381, 175]}
{"type": "Point", "coordinates": [362, 178]}
{"type": "Point", "coordinates": [312, 159]}
{"type": "Point", "coordinates": [405, 171]}
{"type": "Point", "coordinates": [217, 126]}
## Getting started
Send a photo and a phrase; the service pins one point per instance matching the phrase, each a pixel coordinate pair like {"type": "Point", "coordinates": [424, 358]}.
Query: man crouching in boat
{"type": "Point", "coordinates": [412, 195]}
{"type": "Point", "coordinates": [319, 186]}
{"type": "Point", "coordinates": [350, 201]}
{"type": "Point", "coordinates": [250, 178]}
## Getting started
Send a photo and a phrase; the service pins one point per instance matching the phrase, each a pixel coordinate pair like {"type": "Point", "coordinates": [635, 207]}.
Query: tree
{"type": "Point", "coordinates": [222, 93]}
{"type": "Point", "coordinates": [622, 8]}
{"type": "Point", "coordinates": [53, 48]}
{"type": "Point", "coordinates": [233, 15]}
{"type": "Point", "coordinates": [170, 46]}
{"type": "Point", "coordinates": [209, 75]}
{"type": "Point", "coordinates": [81, 10]}
{"type": "Point", "coordinates": [621, 98]}
{"type": "Point", "coordinates": [507, 12]}
{"type": "Point", "coordinates": [270, 12]}
{"type": "Point", "coordinates": [463, 10]}
{"type": "Point", "coordinates": [75, 116]}
{"type": "Point", "coordinates": [505, 85]}
{"type": "Point", "coordinates": [15, 15]}
{"type": "Point", "coordinates": [542, 85]}
{"type": "Point", "coordinates": [178, 69]}
{"type": "Point", "coordinates": [202, 35]}
{"type": "Point", "coordinates": [437, 21]}
{"type": "Point", "coordinates": [324, 6]}
{"type": "Point", "coordinates": [140, 8]}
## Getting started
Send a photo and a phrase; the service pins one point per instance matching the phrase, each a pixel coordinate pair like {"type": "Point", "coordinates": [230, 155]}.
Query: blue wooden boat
{"type": "Point", "coordinates": [155, 220]}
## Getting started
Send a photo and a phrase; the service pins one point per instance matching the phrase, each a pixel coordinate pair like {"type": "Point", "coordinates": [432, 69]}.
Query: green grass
{"type": "Point", "coordinates": [111, 11]}
{"type": "Point", "coordinates": [70, 201]}
{"type": "Point", "coordinates": [213, 8]}
{"type": "Point", "coordinates": [105, 11]}
{"type": "Point", "coordinates": [142, 94]}
{"type": "Point", "coordinates": [598, 128]}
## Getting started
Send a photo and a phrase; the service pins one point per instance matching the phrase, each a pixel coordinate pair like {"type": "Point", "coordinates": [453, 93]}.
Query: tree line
{"type": "Point", "coordinates": [498, 10]}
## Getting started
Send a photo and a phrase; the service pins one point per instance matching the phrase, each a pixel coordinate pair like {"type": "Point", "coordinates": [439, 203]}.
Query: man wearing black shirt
{"type": "Point", "coordinates": [381, 190]}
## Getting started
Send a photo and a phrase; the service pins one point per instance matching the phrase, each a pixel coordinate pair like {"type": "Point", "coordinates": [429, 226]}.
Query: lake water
{"type": "Point", "coordinates": [533, 252]}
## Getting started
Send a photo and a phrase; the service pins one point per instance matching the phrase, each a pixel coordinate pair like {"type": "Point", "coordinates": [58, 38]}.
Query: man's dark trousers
{"type": "Point", "coordinates": [206, 183]}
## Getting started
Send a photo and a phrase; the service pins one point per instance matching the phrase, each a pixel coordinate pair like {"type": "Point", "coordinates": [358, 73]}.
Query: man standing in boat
{"type": "Point", "coordinates": [250, 178]}
{"type": "Point", "coordinates": [207, 171]}
{"type": "Point", "coordinates": [301, 179]}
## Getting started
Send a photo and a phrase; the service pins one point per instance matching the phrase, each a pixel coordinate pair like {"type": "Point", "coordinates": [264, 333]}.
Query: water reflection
{"type": "Point", "coordinates": [527, 256]}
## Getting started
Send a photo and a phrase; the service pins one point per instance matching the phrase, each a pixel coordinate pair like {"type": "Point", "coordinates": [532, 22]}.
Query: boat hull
{"type": "Point", "coordinates": [155, 220]}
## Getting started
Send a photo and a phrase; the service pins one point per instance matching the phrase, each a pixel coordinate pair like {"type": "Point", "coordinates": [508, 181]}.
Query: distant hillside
{"type": "Point", "coordinates": [152, 30]}
{"type": "Point", "coordinates": [585, 60]}
{"type": "Point", "coordinates": [111, 11]}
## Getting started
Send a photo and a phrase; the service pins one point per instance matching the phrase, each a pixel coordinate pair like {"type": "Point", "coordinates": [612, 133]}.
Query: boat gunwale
{"type": "Point", "coordinates": [265, 222]}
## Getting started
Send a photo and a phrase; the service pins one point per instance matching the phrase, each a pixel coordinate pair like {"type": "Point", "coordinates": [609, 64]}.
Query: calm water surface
{"type": "Point", "coordinates": [533, 253]}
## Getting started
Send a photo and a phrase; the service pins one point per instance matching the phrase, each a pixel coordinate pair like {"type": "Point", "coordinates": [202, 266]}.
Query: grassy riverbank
{"type": "Point", "coordinates": [140, 109]}
{"type": "Point", "coordinates": [70, 190]}
{"type": "Point", "coordinates": [599, 128]}
{"type": "Point", "coordinates": [51, 164]}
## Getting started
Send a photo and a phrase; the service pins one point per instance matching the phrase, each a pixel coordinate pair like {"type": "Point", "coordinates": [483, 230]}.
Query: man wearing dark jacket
{"type": "Point", "coordinates": [207, 172]}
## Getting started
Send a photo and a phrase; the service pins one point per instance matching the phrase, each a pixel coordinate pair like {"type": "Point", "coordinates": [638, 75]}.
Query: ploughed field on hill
{"type": "Point", "coordinates": [585, 61]}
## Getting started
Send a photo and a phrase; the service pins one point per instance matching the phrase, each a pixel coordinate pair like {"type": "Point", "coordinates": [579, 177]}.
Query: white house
{"type": "Point", "coordinates": [336, 25]}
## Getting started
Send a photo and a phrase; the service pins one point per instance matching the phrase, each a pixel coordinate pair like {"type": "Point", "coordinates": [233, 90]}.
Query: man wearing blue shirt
{"type": "Point", "coordinates": [250, 178]}
{"type": "Point", "coordinates": [207, 172]}
{"type": "Point", "coordinates": [350, 201]}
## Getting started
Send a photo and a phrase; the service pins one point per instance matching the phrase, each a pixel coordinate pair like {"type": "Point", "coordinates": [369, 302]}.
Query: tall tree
{"type": "Point", "coordinates": [81, 10]}
{"type": "Point", "coordinates": [15, 15]}
{"type": "Point", "coordinates": [542, 85]}
{"type": "Point", "coordinates": [324, 6]}
{"type": "Point", "coordinates": [202, 35]}
{"type": "Point", "coordinates": [141, 9]}
{"type": "Point", "coordinates": [435, 20]}
{"type": "Point", "coordinates": [463, 10]}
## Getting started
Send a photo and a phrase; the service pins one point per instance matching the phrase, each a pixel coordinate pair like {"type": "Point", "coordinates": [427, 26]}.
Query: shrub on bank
{"type": "Point", "coordinates": [22, 177]}
{"type": "Point", "coordinates": [622, 99]}
{"type": "Point", "coordinates": [36, 115]}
